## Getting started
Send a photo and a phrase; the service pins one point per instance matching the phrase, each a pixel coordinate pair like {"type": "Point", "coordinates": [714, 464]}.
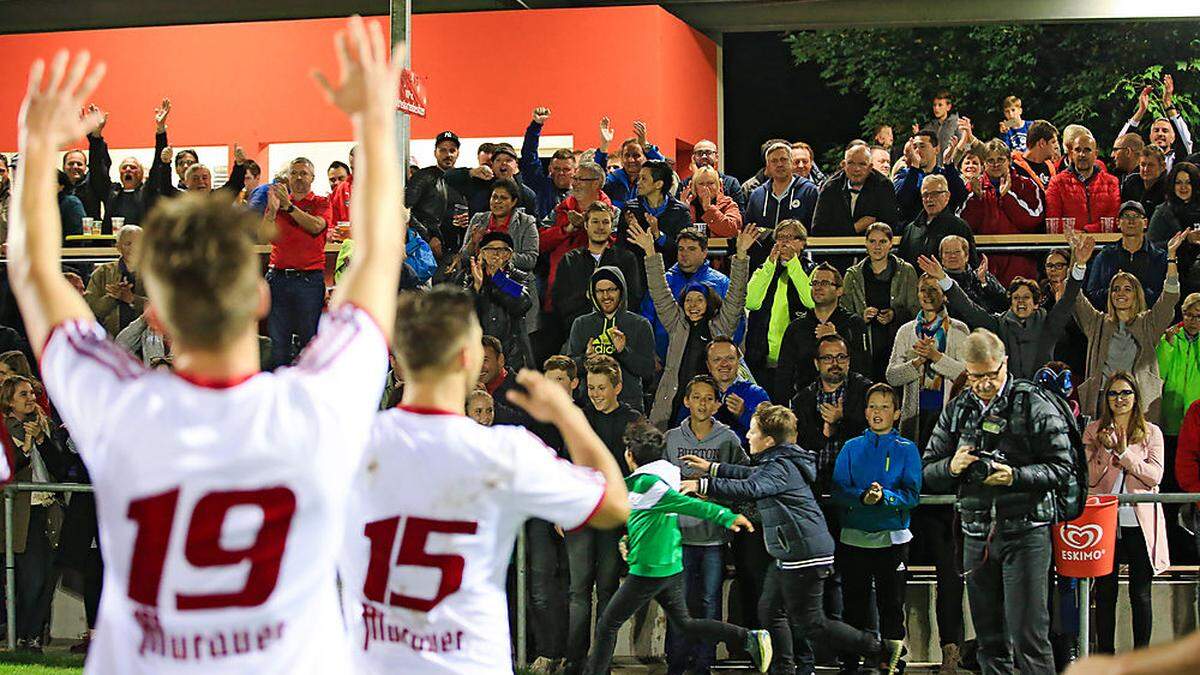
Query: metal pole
{"type": "Point", "coordinates": [10, 571]}
{"type": "Point", "coordinates": [401, 28]}
{"type": "Point", "coordinates": [1085, 601]}
{"type": "Point", "coordinates": [522, 597]}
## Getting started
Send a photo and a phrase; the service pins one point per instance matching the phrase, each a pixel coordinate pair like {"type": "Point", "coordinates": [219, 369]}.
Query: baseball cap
{"type": "Point", "coordinates": [1132, 205]}
{"type": "Point", "coordinates": [447, 136]}
{"type": "Point", "coordinates": [504, 149]}
{"type": "Point", "coordinates": [496, 235]}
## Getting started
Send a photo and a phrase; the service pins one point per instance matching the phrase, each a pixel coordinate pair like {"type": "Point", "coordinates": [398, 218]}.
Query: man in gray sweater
{"type": "Point", "coordinates": [700, 435]}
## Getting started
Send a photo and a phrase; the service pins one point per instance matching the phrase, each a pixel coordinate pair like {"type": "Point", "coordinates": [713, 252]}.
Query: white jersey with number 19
{"type": "Point", "coordinates": [434, 511]}
{"type": "Point", "coordinates": [220, 503]}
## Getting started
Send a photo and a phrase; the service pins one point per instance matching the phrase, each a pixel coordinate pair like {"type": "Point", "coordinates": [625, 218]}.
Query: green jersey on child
{"type": "Point", "coordinates": [655, 545]}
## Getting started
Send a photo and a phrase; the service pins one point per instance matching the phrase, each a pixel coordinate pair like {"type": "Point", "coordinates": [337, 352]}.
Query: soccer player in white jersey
{"type": "Point", "coordinates": [220, 490]}
{"type": "Point", "coordinates": [438, 500]}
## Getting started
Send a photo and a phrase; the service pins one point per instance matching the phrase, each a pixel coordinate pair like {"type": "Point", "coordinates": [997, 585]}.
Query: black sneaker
{"type": "Point", "coordinates": [758, 644]}
{"type": "Point", "coordinates": [890, 653]}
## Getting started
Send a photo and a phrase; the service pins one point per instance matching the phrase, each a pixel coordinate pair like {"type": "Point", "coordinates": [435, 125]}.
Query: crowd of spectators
{"type": "Point", "coordinates": [602, 271]}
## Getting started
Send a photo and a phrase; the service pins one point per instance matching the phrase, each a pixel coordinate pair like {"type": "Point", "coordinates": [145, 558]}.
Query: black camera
{"type": "Point", "coordinates": [987, 449]}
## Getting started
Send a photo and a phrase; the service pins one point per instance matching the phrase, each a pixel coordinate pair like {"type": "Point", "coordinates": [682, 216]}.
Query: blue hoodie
{"type": "Point", "coordinates": [798, 202]}
{"type": "Point", "coordinates": [619, 187]}
{"type": "Point", "coordinates": [890, 460]}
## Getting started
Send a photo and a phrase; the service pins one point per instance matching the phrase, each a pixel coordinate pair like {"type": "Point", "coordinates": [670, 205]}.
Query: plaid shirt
{"type": "Point", "coordinates": [827, 454]}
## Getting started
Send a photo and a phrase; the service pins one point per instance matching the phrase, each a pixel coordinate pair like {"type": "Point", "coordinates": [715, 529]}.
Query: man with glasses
{"type": "Point", "coordinates": [1006, 503]}
{"type": "Point", "coordinates": [502, 297]}
{"type": "Point", "coordinates": [705, 154]}
{"type": "Point", "coordinates": [855, 197]}
{"type": "Point", "coordinates": [924, 234]}
{"type": "Point", "coordinates": [1133, 253]}
{"type": "Point", "coordinates": [1085, 192]}
{"type": "Point", "coordinates": [1002, 201]}
{"type": "Point", "coordinates": [798, 350]}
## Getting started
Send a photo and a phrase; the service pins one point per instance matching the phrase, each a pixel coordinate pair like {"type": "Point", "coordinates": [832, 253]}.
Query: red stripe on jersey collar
{"type": "Point", "coordinates": [215, 382]}
{"type": "Point", "coordinates": [421, 410]}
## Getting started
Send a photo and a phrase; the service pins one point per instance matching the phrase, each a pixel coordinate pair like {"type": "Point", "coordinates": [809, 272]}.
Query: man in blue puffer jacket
{"type": "Point", "coordinates": [779, 480]}
{"type": "Point", "coordinates": [876, 484]}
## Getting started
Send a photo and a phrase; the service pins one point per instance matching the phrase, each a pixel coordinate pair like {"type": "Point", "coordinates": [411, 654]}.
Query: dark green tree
{"type": "Point", "coordinates": [1086, 74]}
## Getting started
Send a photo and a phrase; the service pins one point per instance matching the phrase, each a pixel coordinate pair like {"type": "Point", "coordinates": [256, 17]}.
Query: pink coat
{"type": "Point", "coordinates": [1143, 465]}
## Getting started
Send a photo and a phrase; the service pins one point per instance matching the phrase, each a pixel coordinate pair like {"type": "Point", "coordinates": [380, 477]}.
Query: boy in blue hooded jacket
{"type": "Point", "coordinates": [876, 484]}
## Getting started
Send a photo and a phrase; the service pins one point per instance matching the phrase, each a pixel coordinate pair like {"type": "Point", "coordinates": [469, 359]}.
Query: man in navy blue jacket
{"type": "Point", "coordinates": [779, 480]}
{"type": "Point", "coordinates": [921, 153]}
{"type": "Point", "coordinates": [555, 187]}
{"type": "Point", "coordinates": [784, 196]}
{"type": "Point", "coordinates": [621, 185]}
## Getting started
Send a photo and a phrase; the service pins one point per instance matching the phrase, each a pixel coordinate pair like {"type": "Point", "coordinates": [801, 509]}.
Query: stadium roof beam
{"type": "Point", "coordinates": [710, 16]}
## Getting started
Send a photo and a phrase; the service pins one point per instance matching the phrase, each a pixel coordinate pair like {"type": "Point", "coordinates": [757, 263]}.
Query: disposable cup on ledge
{"type": "Point", "coordinates": [88, 226]}
{"type": "Point", "coordinates": [1054, 226]}
{"type": "Point", "coordinates": [1108, 224]}
{"type": "Point", "coordinates": [117, 223]}
{"type": "Point", "coordinates": [1068, 225]}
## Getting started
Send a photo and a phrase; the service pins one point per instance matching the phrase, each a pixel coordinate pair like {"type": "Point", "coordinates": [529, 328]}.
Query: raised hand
{"type": "Point", "coordinates": [1176, 242]}
{"type": "Point", "coordinates": [166, 155]}
{"type": "Point", "coordinates": [1143, 102]}
{"type": "Point", "coordinates": [239, 155]}
{"type": "Point", "coordinates": [1005, 184]}
{"type": "Point", "coordinates": [369, 80]}
{"type": "Point", "coordinates": [618, 338]}
{"type": "Point", "coordinates": [93, 109]}
{"type": "Point", "coordinates": [652, 223]}
{"type": "Point", "coordinates": [49, 116]}
{"type": "Point", "coordinates": [541, 114]}
{"type": "Point", "coordinates": [477, 273]}
{"type": "Point", "coordinates": [639, 130]}
{"type": "Point", "coordinates": [544, 400]}
{"type": "Point", "coordinates": [161, 113]}
{"type": "Point", "coordinates": [606, 133]}
{"type": "Point", "coordinates": [1168, 92]}
{"type": "Point", "coordinates": [746, 239]}
{"type": "Point", "coordinates": [930, 265]}
{"type": "Point", "coordinates": [1082, 248]}
{"type": "Point", "coordinates": [982, 270]}
{"type": "Point", "coordinates": [641, 237]}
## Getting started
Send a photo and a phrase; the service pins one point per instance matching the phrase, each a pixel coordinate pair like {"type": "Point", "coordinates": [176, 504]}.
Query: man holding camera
{"type": "Point", "coordinates": [1004, 447]}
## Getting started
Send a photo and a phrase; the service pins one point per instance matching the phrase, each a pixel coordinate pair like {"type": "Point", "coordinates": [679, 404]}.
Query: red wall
{"type": "Point", "coordinates": [484, 72]}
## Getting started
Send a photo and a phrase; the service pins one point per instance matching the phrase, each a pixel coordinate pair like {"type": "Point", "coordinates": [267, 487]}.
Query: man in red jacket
{"type": "Point", "coordinates": [1085, 191]}
{"type": "Point", "coordinates": [1003, 201]}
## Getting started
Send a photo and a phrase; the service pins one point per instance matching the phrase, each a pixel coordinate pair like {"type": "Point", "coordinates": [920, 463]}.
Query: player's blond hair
{"type": "Point", "coordinates": [431, 327]}
{"type": "Point", "coordinates": [776, 421]}
{"type": "Point", "coordinates": [201, 270]}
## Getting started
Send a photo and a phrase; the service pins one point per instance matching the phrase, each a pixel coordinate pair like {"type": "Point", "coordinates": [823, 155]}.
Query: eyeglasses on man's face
{"type": "Point", "coordinates": [830, 358]}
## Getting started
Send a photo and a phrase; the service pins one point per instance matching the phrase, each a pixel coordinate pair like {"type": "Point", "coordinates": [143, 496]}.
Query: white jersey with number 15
{"type": "Point", "coordinates": [434, 512]}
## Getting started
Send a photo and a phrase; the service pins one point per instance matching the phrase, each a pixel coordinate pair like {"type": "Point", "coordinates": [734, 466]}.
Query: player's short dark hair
{"type": "Point", "coordinates": [1039, 131]}
{"type": "Point", "coordinates": [644, 441]}
{"type": "Point", "coordinates": [253, 168]}
{"type": "Point", "coordinates": [489, 148]}
{"type": "Point", "coordinates": [884, 389]}
{"type": "Point", "coordinates": [430, 326]}
{"type": "Point", "coordinates": [702, 379]}
{"type": "Point", "coordinates": [692, 234]}
{"type": "Point", "coordinates": [943, 95]}
{"type": "Point", "coordinates": [564, 153]}
{"type": "Point", "coordinates": [661, 171]}
{"type": "Point", "coordinates": [508, 185]}
{"type": "Point", "coordinates": [493, 343]}
{"type": "Point", "coordinates": [829, 340]}
{"type": "Point", "coordinates": [563, 363]}
{"type": "Point", "coordinates": [1032, 285]}
{"type": "Point", "coordinates": [599, 207]}
{"type": "Point", "coordinates": [602, 364]}
{"type": "Point", "coordinates": [338, 164]}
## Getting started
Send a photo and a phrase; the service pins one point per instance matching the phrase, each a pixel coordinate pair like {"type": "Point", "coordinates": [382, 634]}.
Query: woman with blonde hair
{"type": "Point", "coordinates": [710, 205]}
{"type": "Point", "coordinates": [1125, 456]}
{"type": "Point", "coordinates": [1125, 335]}
{"type": "Point", "coordinates": [34, 452]}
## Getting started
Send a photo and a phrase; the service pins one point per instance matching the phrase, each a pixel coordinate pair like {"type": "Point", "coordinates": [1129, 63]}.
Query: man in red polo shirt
{"type": "Point", "coordinates": [297, 271]}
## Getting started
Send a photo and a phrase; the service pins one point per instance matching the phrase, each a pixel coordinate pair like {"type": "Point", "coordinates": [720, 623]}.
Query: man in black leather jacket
{"type": "Point", "coordinates": [1006, 511]}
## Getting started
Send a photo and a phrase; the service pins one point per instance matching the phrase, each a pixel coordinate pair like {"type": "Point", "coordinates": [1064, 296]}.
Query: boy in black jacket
{"type": "Point", "coordinates": [593, 557]}
{"type": "Point", "coordinates": [795, 533]}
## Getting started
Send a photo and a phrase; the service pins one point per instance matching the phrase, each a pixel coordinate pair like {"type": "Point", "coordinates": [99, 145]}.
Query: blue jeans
{"type": "Point", "coordinates": [703, 571]}
{"type": "Point", "coordinates": [297, 298]}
